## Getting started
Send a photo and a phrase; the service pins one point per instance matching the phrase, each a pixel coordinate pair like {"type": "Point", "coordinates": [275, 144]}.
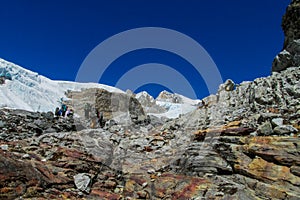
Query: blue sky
{"type": "Point", "coordinates": [54, 37]}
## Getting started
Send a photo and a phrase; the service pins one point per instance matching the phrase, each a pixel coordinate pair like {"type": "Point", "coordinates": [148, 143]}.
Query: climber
{"type": "Point", "coordinates": [87, 109]}
{"type": "Point", "coordinates": [4, 75]}
{"type": "Point", "coordinates": [71, 113]}
{"type": "Point", "coordinates": [2, 80]}
{"type": "Point", "coordinates": [57, 112]}
{"type": "Point", "coordinates": [101, 121]}
{"type": "Point", "coordinates": [67, 112]}
{"type": "Point", "coordinates": [100, 118]}
{"type": "Point", "coordinates": [64, 109]}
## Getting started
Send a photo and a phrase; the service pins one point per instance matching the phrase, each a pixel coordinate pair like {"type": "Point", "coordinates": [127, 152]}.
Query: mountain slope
{"type": "Point", "coordinates": [33, 92]}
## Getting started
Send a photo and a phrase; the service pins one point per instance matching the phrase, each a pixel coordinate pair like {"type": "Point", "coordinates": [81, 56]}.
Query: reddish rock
{"type": "Point", "coordinates": [238, 131]}
{"type": "Point", "coordinates": [200, 135]}
{"type": "Point", "coordinates": [179, 186]}
{"type": "Point", "coordinates": [143, 194]}
{"type": "Point", "coordinates": [110, 184]}
{"type": "Point", "coordinates": [99, 194]}
{"type": "Point", "coordinates": [231, 129]}
{"type": "Point", "coordinates": [16, 176]}
{"type": "Point", "coordinates": [282, 150]}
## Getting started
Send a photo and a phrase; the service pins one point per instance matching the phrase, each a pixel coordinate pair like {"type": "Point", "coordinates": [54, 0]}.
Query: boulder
{"type": "Point", "coordinates": [82, 182]}
{"type": "Point", "coordinates": [265, 129]}
{"type": "Point", "coordinates": [277, 122]}
{"type": "Point", "coordinates": [285, 129]}
{"type": "Point", "coordinates": [227, 86]}
{"type": "Point", "coordinates": [2, 124]}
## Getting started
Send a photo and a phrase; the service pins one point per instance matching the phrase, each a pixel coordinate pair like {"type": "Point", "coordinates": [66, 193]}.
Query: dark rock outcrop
{"type": "Point", "coordinates": [290, 55]}
{"type": "Point", "coordinates": [21, 124]}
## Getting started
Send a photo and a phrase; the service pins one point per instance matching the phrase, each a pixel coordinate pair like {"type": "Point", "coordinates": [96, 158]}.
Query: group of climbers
{"type": "Point", "coordinates": [64, 111]}
{"type": "Point", "coordinates": [97, 118]}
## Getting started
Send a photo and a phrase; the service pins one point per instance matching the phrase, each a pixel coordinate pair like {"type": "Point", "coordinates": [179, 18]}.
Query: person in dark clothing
{"type": "Point", "coordinates": [87, 110]}
{"type": "Point", "coordinates": [64, 109]}
{"type": "Point", "coordinates": [57, 114]}
{"type": "Point", "coordinates": [97, 113]}
{"type": "Point", "coordinates": [2, 80]}
{"type": "Point", "coordinates": [71, 113]}
{"type": "Point", "coordinates": [100, 118]}
{"type": "Point", "coordinates": [101, 121]}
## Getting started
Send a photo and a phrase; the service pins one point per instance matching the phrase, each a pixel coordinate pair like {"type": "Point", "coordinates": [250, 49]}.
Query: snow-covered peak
{"type": "Point", "coordinates": [145, 99]}
{"type": "Point", "coordinates": [143, 94]}
{"type": "Point", "coordinates": [166, 96]}
{"type": "Point", "coordinates": [167, 104]}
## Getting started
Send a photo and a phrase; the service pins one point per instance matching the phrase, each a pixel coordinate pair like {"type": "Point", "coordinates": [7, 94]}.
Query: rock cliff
{"type": "Point", "coordinates": [122, 107]}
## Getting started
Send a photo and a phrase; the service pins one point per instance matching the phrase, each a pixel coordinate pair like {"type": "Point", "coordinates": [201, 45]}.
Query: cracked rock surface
{"type": "Point", "coordinates": [241, 144]}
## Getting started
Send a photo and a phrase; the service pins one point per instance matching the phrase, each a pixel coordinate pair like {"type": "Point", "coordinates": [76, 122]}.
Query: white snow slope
{"type": "Point", "coordinates": [33, 92]}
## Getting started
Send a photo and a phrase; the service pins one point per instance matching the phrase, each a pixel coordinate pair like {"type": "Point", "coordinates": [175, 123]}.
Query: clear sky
{"type": "Point", "coordinates": [53, 37]}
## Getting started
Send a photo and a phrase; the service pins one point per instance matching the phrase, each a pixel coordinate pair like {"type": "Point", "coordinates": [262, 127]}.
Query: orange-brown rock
{"type": "Point", "coordinates": [98, 194]}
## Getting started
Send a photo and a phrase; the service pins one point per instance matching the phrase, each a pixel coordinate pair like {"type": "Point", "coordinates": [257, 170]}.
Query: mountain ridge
{"type": "Point", "coordinates": [33, 92]}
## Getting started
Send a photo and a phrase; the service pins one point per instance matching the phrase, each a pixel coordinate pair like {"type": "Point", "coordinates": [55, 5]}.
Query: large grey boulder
{"type": "Point", "coordinates": [121, 107]}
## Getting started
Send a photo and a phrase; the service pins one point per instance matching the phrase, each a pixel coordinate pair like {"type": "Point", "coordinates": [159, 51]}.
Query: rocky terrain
{"type": "Point", "coordinates": [241, 143]}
